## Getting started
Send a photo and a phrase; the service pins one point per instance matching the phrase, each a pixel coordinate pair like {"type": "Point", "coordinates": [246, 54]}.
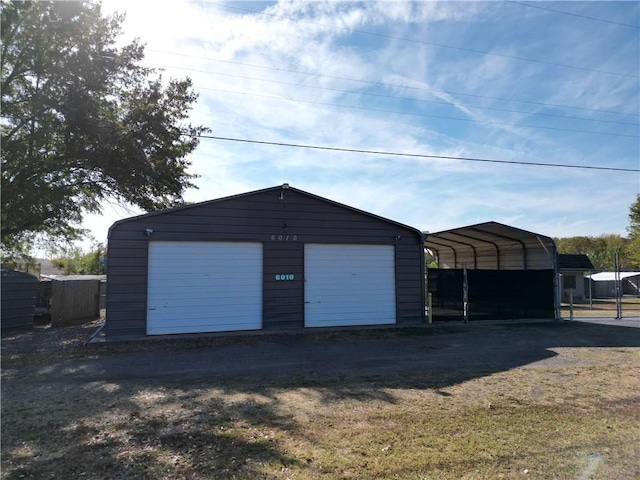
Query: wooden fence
{"type": "Point", "coordinates": [74, 301]}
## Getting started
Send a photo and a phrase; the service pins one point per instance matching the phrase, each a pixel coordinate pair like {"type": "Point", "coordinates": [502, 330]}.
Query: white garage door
{"type": "Point", "coordinates": [204, 287]}
{"type": "Point", "coordinates": [349, 285]}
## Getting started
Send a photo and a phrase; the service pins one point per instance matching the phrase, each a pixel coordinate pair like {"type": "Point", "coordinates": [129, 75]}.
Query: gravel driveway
{"type": "Point", "coordinates": [473, 349]}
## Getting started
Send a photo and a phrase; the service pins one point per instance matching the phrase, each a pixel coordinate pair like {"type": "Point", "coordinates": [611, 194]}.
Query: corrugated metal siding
{"type": "Point", "coordinates": [410, 284]}
{"type": "Point", "coordinates": [283, 226]}
{"type": "Point", "coordinates": [283, 299]}
{"type": "Point", "coordinates": [532, 257]}
{"type": "Point", "coordinates": [492, 246]}
{"type": "Point", "coordinates": [19, 292]}
{"type": "Point", "coordinates": [126, 285]}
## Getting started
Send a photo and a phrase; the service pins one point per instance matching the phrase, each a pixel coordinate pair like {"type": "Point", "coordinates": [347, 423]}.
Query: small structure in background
{"type": "Point", "coordinates": [604, 284]}
{"type": "Point", "coordinates": [58, 299]}
{"type": "Point", "coordinates": [19, 291]}
{"type": "Point", "coordinates": [73, 299]}
{"type": "Point", "coordinates": [574, 270]}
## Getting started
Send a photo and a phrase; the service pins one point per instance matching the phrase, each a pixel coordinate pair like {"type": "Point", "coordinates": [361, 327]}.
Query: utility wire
{"type": "Point", "coordinates": [380, 95]}
{"type": "Point", "coordinates": [575, 14]}
{"type": "Point", "coordinates": [419, 155]}
{"type": "Point", "coordinates": [427, 115]}
{"type": "Point", "coordinates": [433, 44]}
{"type": "Point", "coordinates": [391, 85]}
{"type": "Point", "coordinates": [394, 154]}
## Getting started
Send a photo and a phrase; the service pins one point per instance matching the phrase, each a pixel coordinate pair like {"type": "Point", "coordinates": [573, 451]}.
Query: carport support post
{"type": "Point", "coordinates": [465, 293]}
{"type": "Point", "coordinates": [430, 307]}
{"type": "Point", "coordinates": [590, 292]}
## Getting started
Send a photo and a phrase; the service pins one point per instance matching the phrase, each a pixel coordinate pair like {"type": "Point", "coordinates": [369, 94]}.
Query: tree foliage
{"type": "Point", "coordinates": [601, 250]}
{"type": "Point", "coordinates": [75, 261]}
{"type": "Point", "coordinates": [633, 246]}
{"type": "Point", "coordinates": [83, 122]}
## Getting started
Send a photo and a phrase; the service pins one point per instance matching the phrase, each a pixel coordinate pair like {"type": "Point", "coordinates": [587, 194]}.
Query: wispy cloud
{"type": "Point", "coordinates": [319, 59]}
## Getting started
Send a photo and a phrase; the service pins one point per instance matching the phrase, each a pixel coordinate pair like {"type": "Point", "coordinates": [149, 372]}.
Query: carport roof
{"type": "Point", "coordinates": [503, 243]}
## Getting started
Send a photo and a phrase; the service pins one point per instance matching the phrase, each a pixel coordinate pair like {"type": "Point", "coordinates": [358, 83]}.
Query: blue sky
{"type": "Point", "coordinates": [506, 81]}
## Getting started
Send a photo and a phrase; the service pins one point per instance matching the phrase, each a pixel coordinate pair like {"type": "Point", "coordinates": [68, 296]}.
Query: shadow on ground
{"type": "Point", "coordinates": [155, 409]}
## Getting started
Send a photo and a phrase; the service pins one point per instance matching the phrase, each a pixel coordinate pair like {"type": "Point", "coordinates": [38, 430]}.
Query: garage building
{"type": "Point", "coordinates": [492, 271]}
{"type": "Point", "coordinates": [278, 258]}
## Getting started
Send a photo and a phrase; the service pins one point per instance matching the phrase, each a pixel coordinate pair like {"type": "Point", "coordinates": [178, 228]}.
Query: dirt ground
{"type": "Point", "coordinates": [521, 400]}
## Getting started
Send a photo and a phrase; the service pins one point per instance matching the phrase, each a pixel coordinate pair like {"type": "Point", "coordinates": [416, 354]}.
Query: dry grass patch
{"type": "Point", "coordinates": [603, 307]}
{"type": "Point", "coordinates": [573, 415]}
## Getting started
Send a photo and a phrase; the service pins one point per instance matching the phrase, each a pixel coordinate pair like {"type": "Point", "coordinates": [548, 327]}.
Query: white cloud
{"type": "Point", "coordinates": [325, 40]}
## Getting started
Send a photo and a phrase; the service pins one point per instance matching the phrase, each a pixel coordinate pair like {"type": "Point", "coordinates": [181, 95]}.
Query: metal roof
{"type": "Point", "coordinates": [576, 262]}
{"type": "Point", "coordinates": [492, 246]}
{"type": "Point", "coordinates": [611, 276]}
{"type": "Point", "coordinates": [281, 189]}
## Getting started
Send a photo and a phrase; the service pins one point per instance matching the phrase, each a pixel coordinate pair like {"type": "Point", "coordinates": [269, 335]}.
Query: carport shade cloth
{"type": "Point", "coordinates": [611, 276]}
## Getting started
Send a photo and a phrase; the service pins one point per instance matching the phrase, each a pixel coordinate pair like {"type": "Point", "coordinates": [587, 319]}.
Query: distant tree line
{"type": "Point", "coordinates": [602, 249]}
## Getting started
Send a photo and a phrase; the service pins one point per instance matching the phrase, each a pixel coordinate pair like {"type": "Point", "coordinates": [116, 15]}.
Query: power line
{"type": "Point", "coordinates": [419, 155]}
{"type": "Point", "coordinates": [439, 45]}
{"type": "Point", "coordinates": [427, 115]}
{"type": "Point", "coordinates": [575, 14]}
{"type": "Point", "coordinates": [390, 153]}
{"type": "Point", "coordinates": [395, 97]}
{"type": "Point", "coordinates": [391, 85]}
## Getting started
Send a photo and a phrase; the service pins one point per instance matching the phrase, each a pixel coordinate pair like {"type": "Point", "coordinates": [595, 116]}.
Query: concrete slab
{"type": "Point", "coordinates": [622, 322]}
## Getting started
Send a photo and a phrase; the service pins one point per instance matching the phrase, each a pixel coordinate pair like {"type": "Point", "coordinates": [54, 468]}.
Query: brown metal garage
{"type": "Point", "coordinates": [278, 258]}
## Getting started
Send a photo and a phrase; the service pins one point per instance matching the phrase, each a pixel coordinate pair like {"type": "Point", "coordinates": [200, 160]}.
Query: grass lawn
{"type": "Point", "coordinates": [576, 417]}
{"type": "Point", "coordinates": [604, 307]}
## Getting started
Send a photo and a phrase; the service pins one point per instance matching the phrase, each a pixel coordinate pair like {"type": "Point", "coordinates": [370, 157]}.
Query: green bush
{"type": "Point", "coordinates": [75, 261]}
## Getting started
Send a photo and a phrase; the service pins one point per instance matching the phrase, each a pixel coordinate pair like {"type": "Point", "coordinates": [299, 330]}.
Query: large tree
{"type": "Point", "coordinates": [633, 247]}
{"type": "Point", "coordinates": [83, 121]}
{"type": "Point", "coordinates": [601, 250]}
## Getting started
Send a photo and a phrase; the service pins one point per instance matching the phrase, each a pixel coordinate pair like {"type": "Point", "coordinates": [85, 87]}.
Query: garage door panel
{"type": "Point", "coordinates": [354, 302]}
{"type": "Point", "coordinates": [350, 319]}
{"type": "Point", "coordinates": [201, 328]}
{"type": "Point", "coordinates": [199, 300]}
{"type": "Point", "coordinates": [358, 308]}
{"type": "Point", "coordinates": [204, 287]}
{"type": "Point", "coordinates": [203, 310]}
{"type": "Point", "coordinates": [349, 285]}
{"type": "Point", "coordinates": [204, 292]}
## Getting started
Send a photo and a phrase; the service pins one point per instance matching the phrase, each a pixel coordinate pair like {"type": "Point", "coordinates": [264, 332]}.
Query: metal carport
{"type": "Point", "coordinates": [492, 271]}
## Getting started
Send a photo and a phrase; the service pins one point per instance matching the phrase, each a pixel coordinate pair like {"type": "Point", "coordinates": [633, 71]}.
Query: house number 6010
{"type": "Point", "coordinates": [284, 238]}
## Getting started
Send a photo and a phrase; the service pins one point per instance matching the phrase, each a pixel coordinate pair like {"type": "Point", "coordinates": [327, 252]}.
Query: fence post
{"type": "Point", "coordinates": [618, 283]}
{"type": "Point", "coordinates": [571, 304]}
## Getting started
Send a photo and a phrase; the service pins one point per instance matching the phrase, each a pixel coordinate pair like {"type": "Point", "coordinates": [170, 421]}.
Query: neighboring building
{"type": "Point", "coordinates": [48, 269]}
{"type": "Point", "coordinates": [574, 271]}
{"type": "Point", "coordinates": [72, 299]}
{"type": "Point", "coordinates": [604, 284]}
{"type": "Point", "coordinates": [19, 291]}
{"type": "Point", "coordinates": [278, 258]}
